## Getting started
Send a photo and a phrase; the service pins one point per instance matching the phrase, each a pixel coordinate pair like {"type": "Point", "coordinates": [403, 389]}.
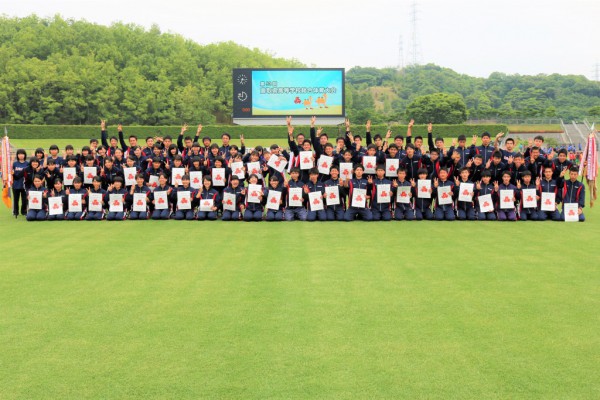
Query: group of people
{"type": "Point", "coordinates": [315, 179]}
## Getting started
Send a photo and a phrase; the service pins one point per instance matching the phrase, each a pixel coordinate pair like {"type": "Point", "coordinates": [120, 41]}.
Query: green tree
{"type": "Point", "coordinates": [439, 108]}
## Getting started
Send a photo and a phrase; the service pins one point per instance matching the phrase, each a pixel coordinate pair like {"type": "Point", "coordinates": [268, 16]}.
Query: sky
{"type": "Point", "coordinates": [474, 37]}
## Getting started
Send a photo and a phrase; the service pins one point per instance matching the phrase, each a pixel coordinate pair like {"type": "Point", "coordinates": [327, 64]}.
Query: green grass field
{"type": "Point", "coordinates": [167, 309]}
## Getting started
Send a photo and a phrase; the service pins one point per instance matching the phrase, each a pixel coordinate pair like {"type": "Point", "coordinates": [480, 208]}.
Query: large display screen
{"type": "Point", "coordinates": [280, 92]}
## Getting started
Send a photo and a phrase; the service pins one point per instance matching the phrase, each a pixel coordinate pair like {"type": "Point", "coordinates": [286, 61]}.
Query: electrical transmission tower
{"type": "Point", "coordinates": [415, 52]}
{"type": "Point", "coordinates": [400, 54]}
{"type": "Point", "coordinates": [596, 72]}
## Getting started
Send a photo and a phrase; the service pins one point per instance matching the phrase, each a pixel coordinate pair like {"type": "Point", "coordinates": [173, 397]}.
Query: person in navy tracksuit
{"type": "Point", "coordinates": [253, 211]}
{"type": "Point", "coordinates": [58, 191]}
{"type": "Point", "coordinates": [465, 153]}
{"type": "Point", "coordinates": [274, 186]}
{"type": "Point", "coordinates": [336, 212]}
{"type": "Point", "coordinates": [422, 204]}
{"type": "Point", "coordinates": [116, 188]}
{"type": "Point", "coordinates": [19, 167]}
{"type": "Point", "coordinates": [464, 209]}
{"type": "Point", "coordinates": [443, 211]}
{"type": "Point", "coordinates": [485, 187]}
{"type": "Point", "coordinates": [549, 185]}
{"type": "Point", "coordinates": [381, 211]}
{"type": "Point", "coordinates": [358, 182]}
{"type": "Point", "coordinates": [207, 192]}
{"type": "Point", "coordinates": [77, 189]}
{"type": "Point", "coordinates": [497, 167]}
{"type": "Point", "coordinates": [163, 186]}
{"type": "Point", "coordinates": [506, 214]}
{"type": "Point", "coordinates": [109, 172]}
{"type": "Point", "coordinates": [530, 213]}
{"type": "Point", "coordinates": [314, 185]}
{"type": "Point", "coordinates": [96, 188]}
{"type": "Point", "coordinates": [239, 192]}
{"type": "Point", "coordinates": [573, 191]}
{"type": "Point", "coordinates": [403, 211]}
{"type": "Point", "coordinates": [139, 187]}
{"type": "Point", "coordinates": [33, 214]}
{"type": "Point", "coordinates": [486, 149]}
{"type": "Point", "coordinates": [187, 214]}
{"type": "Point", "coordinates": [296, 212]}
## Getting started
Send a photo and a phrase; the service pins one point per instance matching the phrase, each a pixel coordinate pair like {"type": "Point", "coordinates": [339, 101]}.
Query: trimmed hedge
{"type": "Point", "coordinates": [250, 132]}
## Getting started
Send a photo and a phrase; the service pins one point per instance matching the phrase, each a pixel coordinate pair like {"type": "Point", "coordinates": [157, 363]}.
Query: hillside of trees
{"type": "Point", "coordinates": [57, 71]}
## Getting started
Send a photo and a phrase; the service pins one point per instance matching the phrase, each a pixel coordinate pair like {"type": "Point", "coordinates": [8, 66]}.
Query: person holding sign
{"type": "Point", "coordinates": [253, 210]}
{"type": "Point", "coordinates": [139, 188]}
{"type": "Point", "coordinates": [507, 196]}
{"type": "Point", "coordinates": [402, 192]}
{"type": "Point", "coordinates": [76, 189]}
{"type": "Point", "coordinates": [69, 172]}
{"type": "Point", "coordinates": [109, 172]}
{"type": "Point", "coordinates": [182, 197]}
{"type": "Point", "coordinates": [38, 202]}
{"type": "Point", "coordinates": [358, 192]}
{"type": "Point", "coordinates": [295, 199]}
{"type": "Point", "coordinates": [573, 192]}
{"type": "Point", "coordinates": [152, 173]}
{"type": "Point", "coordinates": [232, 202]}
{"type": "Point", "coordinates": [529, 198]}
{"type": "Point", "coordinates": [463, 192]}
{"type": "Point", "coordinates": [443, 192]}
{"type": "Point", "coordinates": [58, 214]}
{"type": "Point", "coordinates": [335, 194]}
{"type": "Point", "coordinates": [51, 173]}
{"type": "Point", "coordinates": [114, 190]}
{"type": "Point", "coordinates": [413, 162]}
{"type": "Point", "coordinates": [92, 211]}
{"type": "Point", "coordinates": [89, 171]}
{"type": "Point", "coordinates": [422, 195]}
{"type": "Point", "coordinates": [486, 197]}
{"type": "Point", "coordinates": [274, 200]}
{"type": "Point", "coordinates": [276, 163]}
{"type": "Point", "coordinates": [548, 189]}
{"type": "Point", "coordinates": [159, 199]}
{"type": "Point", "coordinates": [381, 195]}
{"type": "Point", "coordinates": [209, 199]}
{"type": "Point", "coordinates": [315, 191]}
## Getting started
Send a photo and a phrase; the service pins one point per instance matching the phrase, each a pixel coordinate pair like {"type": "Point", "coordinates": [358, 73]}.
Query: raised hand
{"type": "Point", "coordinates": [103, 124]}
{"type": "Point", "coordinates": [183, 128]}
{"type": "Point", "coordinates": [510, 159]}
{"type": "Point", "coordinates": [478, 185]}
{"type": "Point", "coordinates": [411, 123]}
{"type": "Point", "coordinates": [319, 130]}
{"type": "Point", "coordinates": [499, 135]}
{"type": "Point", "coordinates": [488, 163]}
{"type": "Point", "coordinates": [199, 130]}
{"type": "Point", "coordinates": [313, 119]}
{"type": "Point", "coordinates": [291, 132]}
{"type": "Point", "coordinates": [120, 128]}
{"type": "Point", "coordinates": [412, 182]}
{"type": "Point", "coordinates": [347, 122]}
{"type": "Point", "coordinates": [429, 127]}
{"type": "Point", "coordinates": [435, 182]}
{"type": "Point", "coordinates": [456, 181]}
{"type": "Point", "coordinates": [537, 181]}
{"type": "Point", "coordinates": [518, 184]}
{"type": "Point", "coordinates": [469, 163]}
{"type": "Point", "coordinates": [496, 187]}
{"type": "Point", "coordinates": [305, 187]}
{"type": "Point", "coordinates": [454, 142]}
{"type": "Point", "coordinates": [388, 134]}
{"type": "Point", "coordinates": [368, 125]}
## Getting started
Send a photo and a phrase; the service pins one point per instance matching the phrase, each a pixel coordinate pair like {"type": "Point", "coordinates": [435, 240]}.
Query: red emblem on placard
{"type": "Point", "coordinates": [548, 202]}
{"type": "Point", "coordinates": [90, 176]}
{"type": "Point", "coordinates": [403, 194]}
{"type": "Point", "coordinates": [95, 202]}
{"type": "Point", "coordinates": [55, 206]}
{"type": "Point", "coordinates": [465, 192]}
{"type": "Point", "coordinates": [444, 195]}
{"type": "Point", "coordinates": [69, 176]}
{"type": "Point", "coordinates": [486, 204]}
{"type": "Point", "coordinates": [306, 160]}
{"type": "Point", "coordinates": [35, 200]}
{"type": "Point", "coordinates": [369, 165]}
{"type": "Point", "coordinates": [295, 198]}
{"type": "Point", "coordinates": [529, 198]}
{"type": "Point", "coordinates": [273, 200]}
{"type": "Point", "coordinates": [229, 202]}
{"type": "Point", "coordinates": [324, 165]}
{"type": "Point", "coordinates": [238, 171]}
{"type": "Point", "coordinates": [332, 195]}
{"type": "Point", "coordinates": [384, 194]}
{"type": "Point", "coordinates": [184, 200]}
{"type": "Point", "coordinates": [154, 184]}
{"type": "Point", "coordinates": [571, 212]}
{"type": "Point", "coordinates": [316, 201]}
{"type": "Point", "coordinates": [206, 203]}
{"type": "Point", "coordinates": [359, 198]}
{"type": "Point", "coordinates": [116, 203]}
{"type": "Point", "coordinates": [346, 172]}
{"type": "Point", "coordinates": [218, 177]}
{"type": "Point", "coordinates": [255, 171]}
{"type": "Point", "coordinates": [196, 180]}
{"type": "Point", "coordinates": [130, 176]}
{"type": "Point", "coordinates": [161, 200]}
{"type": "Point", "coordinates": [75, 203]}
{"type": "Point", "coordinates": [277, 163]}
{"type": "Point", "coordinates": [392, 168]}
{"type": "Point", "coordinates": [140, 203]}
{"type": "Point", "coordinates": [178, 177]}
{"type": "Point", "coordinates": [424, 189]}
{"type": "Point", "coordinates": [507, 199]}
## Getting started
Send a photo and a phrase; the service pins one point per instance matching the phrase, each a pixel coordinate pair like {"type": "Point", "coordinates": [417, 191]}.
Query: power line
{"type": "Point", "coordinates": [414, 49]}
{"type": "Point", "coordinates": [400, 53]}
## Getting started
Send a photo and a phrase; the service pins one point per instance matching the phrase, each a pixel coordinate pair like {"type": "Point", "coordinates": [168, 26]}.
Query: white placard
{"type": "Point", "coordinates": [75, 201]}
{"type": "Point", "coordinates": [129, 174]}
{"type": "Point", "coordinates": [506, 199]}
{"type": "Point", "coordinates": [254, 192]}
{"type": "Point", "coordinates": [139, 202]}
{"type": "Point", "coordinates": [254, 168]}
{"type": "Point", "coordinates": [196, 179]}
{"type": "Point", "coordinates": [424, 189]}
{"type": "Point", "coordinates": [383, 193]}
{"type": "Point", "coordinates": [176, 175]}
{"type": "Point", "coordinates": [369, 163]}
{"type": "Point", "coordinates": [278, 164]}
{"type": "Point", "coordinates": [359, 198]}
{"type": "Point", "coordinates": [183, 200]}
{"type": "Point", "coordinates": [35, 200]}
{"type": "Point", "coordinates": [229, 200]}
{"type": "Point", "coordinates": [306, 159]}
{"type": "Point", "coordinates": [88, 174]}
{"type": "Point", "coordinates": [485, 203]}
{"type": "Point", "coordinates": [465, 192]}
{"type": "Point", "coordinates": [295, 197]}
{"type": "Point", "coordinates": [68, 175]}
{"type": "Point", "coordinates": [316, 201]}
{"type": "Point", "coordinates": [161, 200]}
{"type": "Point", "coordinates": [237, 169]}
{"type": "Point", "coordinates": [273, 199]}
{"type": "Point", "coordinates": [529, 198]}
{"type": "Point", "coordinates": [333, 195]}
{"type": "Point", "coordinates": [403, 195]}
{"type": "Point", "coordinates": [391, 167]}
{"type": "Point", "coordinates": [153, 182]}
{"type": "Point", "coordinates": [324, 164]}
{"type": "Point", "coordinates": [345, 171]}
{"type": "Point", "coordinates": [218, 177]}
{"type": "Point", "coordinates": [55, 205]}
{"type": "Point", "coordinates": [571, 211]}
{"type": "Point", "coordinates": [548, 201]}
{"type": "Point", "coordinates": [206, 205]}
{"type": "Point", "coordinates": [95, 202]}
{"type": "Point", "coordinates": [115, 202]}
{"type": "Point", "coordinates": [444, 195]}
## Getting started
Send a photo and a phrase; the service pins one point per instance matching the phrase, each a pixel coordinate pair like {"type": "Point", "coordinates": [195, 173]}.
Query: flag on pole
{"type": "Point", "coordinates": [6, 169]}
{"type": "Point", "coordinates": [589, 166]}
